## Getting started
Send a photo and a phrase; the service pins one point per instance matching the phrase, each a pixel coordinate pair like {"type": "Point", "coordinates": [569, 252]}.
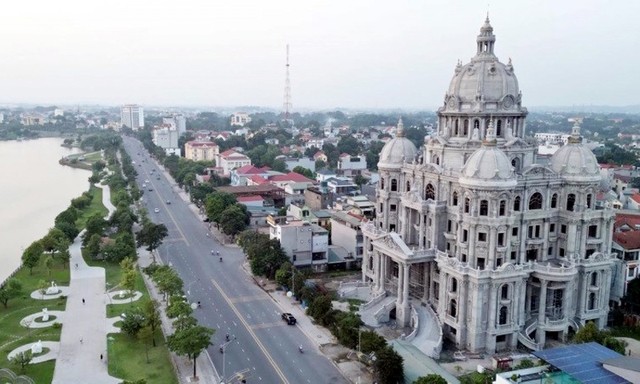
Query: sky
{"type": "Point", "coordinates": [343, 53]}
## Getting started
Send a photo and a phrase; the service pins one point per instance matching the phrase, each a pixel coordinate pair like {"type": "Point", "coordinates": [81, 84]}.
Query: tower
{"type": "Point", "coordinates": [287, 91]}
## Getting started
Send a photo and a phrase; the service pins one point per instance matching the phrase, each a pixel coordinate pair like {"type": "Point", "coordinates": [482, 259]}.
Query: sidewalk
{"type": "Point", "coordinates": [83, 339]}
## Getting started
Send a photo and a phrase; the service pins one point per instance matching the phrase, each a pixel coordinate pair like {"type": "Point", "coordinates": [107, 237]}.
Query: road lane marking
{"type": "Point", "coordinates": [251, 333]}
{"type": "Point", "coordinates": [268, 325]}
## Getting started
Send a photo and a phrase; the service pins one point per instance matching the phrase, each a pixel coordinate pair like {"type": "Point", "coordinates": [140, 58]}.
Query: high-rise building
{"type": "Point", "coordinates": [471, 227]}
{"type": "Point", "coordinates": [178, 121]}
{"type": "Point", "coordinates": [132, 116]}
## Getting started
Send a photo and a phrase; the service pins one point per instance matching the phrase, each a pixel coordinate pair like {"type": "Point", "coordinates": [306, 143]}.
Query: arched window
{"type": "Point", "coordinates": [554, 201]}
{"type": "Point", "coordinates": [454, 284]}
{"type": "Point", "coordinates": [589, 201]}
{"type": "Point", "coordinates": [592, 300]}
{"type": "Point", "coordinates": [466, 205]}
{"type": "Point", "coordinates": [515, 163]}
{"type": "Point", "coordinates": [535, 201]}
{"type": "Point", "coordinates": [435, 160]}
{"type": "Point", "coordinates": [571, 202]}
{"type": "Point", "coordinates": [408, 187]}
{"type": "Point", "coordinates": [504, 292]}
{"type": "Point", "coordinates": [382, 183]}
{"type": "Point", "coordinates": [504, 312]}
{"type": "Point", "coordinates": [499, 128]}
{"type": "Point", "coordinates": [394, 185]}
{"type": "Point", "coordinates": [516, 203]}
{"type": "Point", "coordinates": [454, 199]}
{"type": "Point", "coordinates": [429, 192]}
{"type": "Point", "coordinates": [466, 127]}
{"type": "Point", "coordinates": [453, 308]}
{"type": "Point", "coordinates": [371, 262]}
{"type": "Point", "coordinates": [476, 124]}
{"type": "Point", "coordinates": [455, 132]}
{"type": "Point", "coordinates": [503, 208]}
{"type": "Point", "coordinates": [594, 279]}
{"type": "Point", "coordinates": [484, 207]}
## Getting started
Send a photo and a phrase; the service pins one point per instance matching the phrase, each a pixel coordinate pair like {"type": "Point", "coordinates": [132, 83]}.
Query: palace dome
{"type": "Point", "coordinates": [397, 150]}
{"type": "Point", "coordinates": [574, 161]}
{"type": "Point", "coordinates": [484, 79]}
{"type": "Point", "coordinates": [488, 166]}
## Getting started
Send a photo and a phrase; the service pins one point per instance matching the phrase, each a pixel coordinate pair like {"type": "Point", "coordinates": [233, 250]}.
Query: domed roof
{"type": "Point", "coordinates": [397, 150]}
{"type": "Point", "coordinates": [485, 78]}
{"type": "Point", "coordinates": [488, 166]}
{"type": "Point", "coordinates": [574, 161]}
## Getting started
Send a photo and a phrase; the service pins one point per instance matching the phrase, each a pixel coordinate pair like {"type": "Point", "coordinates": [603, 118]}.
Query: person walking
{"type": "Point", "coordinates": [83, 300]}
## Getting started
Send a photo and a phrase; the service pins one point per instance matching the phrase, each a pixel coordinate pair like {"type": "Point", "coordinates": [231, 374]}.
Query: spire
{"type": "Point", "coordinates": [400, 129]}
{"type": "Point", "coordinates": [486, 39]}
{"type": "Point", "coordinates": [575, 137]}
{"type": "Point", "coordinates": [490, 137]}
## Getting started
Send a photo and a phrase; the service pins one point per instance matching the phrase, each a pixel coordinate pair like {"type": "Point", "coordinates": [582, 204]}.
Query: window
{"type": "Point", "coordinates": [394, 185]}
{"type": "Point", "coordinates": [503, 315]}
{"type": "Point", "coordinates": [504, 292]}
{"type": "Point", "coordinates": [408, 187]}
{"type": "Point", "coordinates": [593, 231]}
{"type": "Point", "coordinates": [503, 208]}
{"type": "Point", "coordinates": [516, 204]}
{"type": "Point", "coordinates": [535, 201]}
{"type": "Point", "coordinates": [466, 205]}
{"type": "Point", "coordinates": [392, 207]}
{"type": "Point", "coordinates": [429, 192]}
{"type": "Point", "coordinates": [552, 228]}
{"type": "Point", "coordinates": [454, 199]}
{"type": "Point", "coordinates": [499, 128]}
{"type": "Point", "coordinates": [515, 163]}
{"type": "Point", "coordinates": [588, 253]}
{"type": "Point", "coordinates": [464, 257]}
{"type": "Point", "coordinates": [563, 229]}
{"type": "Point", "coordinates": [465, 235]}
{"type": "Point", "coordinates": [631, 272]}
{"type": "Point", "coordinates": [454, 285]}
{"type": "Point", "coordinates": [561, 252]}
{"type": "Point", "coordinates": [449, 225]}
{"type": "Point", "coordinates": [482, 236]}
{"type": "Point", "coordinates": [514, 231]}
{"type": "Point", "coordinates": [382, 183]}
{"type": "Point", "coordinates": [532, 254]}
{"type": "Point", "coordinates": [453, 308]}
{"type": "Point", "coordinates": [476, 124]}
{"type": "Point", "coordinates": [554, 201]}
{"type": "Point", "coordinates": [484, 207]}
{"type": "Point", "coordinates": [481, 263]}
{"type": "Point", "coordinates": [589, 201]}
{"type": "Point", "coordinates": [549, 251]}
{"type": "Point", "coordinates": [501, 239]}
{"type": "Point", "coordinates": [571, 202]}
{"type": "Point", "coordinates": [370, 262]}
{"type": "Point", "coordinates": [592, 301]}
{"type": "Point", "coordinates": [392, 228]}
{"type": "Point", "coordinates": [513, 255]}
{"type": "Point", "coordinates": [466, 127]}
{"type": "Point", "coordinates": [594, 279]}
{"type": "Point", "coordinates": [381, 209]}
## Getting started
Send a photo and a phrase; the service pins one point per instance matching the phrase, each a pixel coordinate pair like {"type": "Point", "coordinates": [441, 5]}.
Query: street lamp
{"type": "Point", "coordinates": [223, 348]}
{"type": "Point", "coordinates": [110, 340]}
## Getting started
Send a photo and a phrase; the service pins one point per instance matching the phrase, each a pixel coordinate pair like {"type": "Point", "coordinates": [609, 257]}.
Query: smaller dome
{"type": "Point", "coordinates": [488, 166]}
{"type": "Point", "coordinates": [397, 150]}
{"type": "Point", "coordinates": [574, 161]}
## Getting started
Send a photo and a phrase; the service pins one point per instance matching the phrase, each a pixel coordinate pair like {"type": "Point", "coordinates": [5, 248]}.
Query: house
{"type": "Point", "coordinates": [306, 244]}
{"type": "Point", "coordinates": [240, 119]}
{"type": "Point", "coordinates": [325, 174]}
{"type": "Point", "coordinates": [346, 233]}
{"type": "Point", "coordinates": [320, 155]}
{"type": "Point", "coordinates": [318, 197]}
{"type": "Point", "coordinates": [200, 150]}
{"type": "Point", "coordinates": [251, 200]}
{"type": "Point", "coordinates": [240, 176]}
{"type": "Point", "coordinates": [633, 203]}
{"type": "Point", "coordinates": [349, 165]}
{"type": "Point", "coordinates": [626, 243]}
{"type": "Point", "coordinates": [341, 185]}
{"type": "Point", "coordinates": [230, 160]}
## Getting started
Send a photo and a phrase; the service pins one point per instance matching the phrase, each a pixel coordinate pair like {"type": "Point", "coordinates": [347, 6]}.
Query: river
{"type": "Point", "coordinates": [34, 188]}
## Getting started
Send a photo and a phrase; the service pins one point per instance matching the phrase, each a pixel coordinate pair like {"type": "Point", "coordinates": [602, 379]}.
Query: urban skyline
{"type": "Point", "coordinates": [342, 55]}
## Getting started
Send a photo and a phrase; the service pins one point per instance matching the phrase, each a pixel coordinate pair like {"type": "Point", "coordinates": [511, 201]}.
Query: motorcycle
{"type": "Point", "coordinates": [300, 349]}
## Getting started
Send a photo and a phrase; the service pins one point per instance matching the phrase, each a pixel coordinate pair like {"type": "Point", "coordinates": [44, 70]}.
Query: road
{"type": "Point", "coordinates": [262, 344]}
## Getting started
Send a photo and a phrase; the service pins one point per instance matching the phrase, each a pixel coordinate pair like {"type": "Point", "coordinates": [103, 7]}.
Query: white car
{"type": "Point", "coordinates": [157, 210]}
{"type": "Point", "coordinates": [146, 181]}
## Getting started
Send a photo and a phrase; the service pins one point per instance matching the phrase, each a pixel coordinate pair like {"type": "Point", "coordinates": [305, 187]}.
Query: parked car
{"type": "Point", "coordinates": [289, 318]}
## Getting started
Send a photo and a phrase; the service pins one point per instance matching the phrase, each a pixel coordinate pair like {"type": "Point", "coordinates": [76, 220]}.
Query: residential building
{"type": "Point", "coordinates": [178, 121]}
{"type": "Point", "coordinates": [306, 244]}
{"type": "Point", "coordinates": [626, 243]}
{"type": "Point", "coordinates": [504, 250]}
{"type": "Point", "coordinates": [239, 119]}
{"type": "Point", "coordinates": [293, 162]}
{"type": "Point", "coordinates": [201, 150]}
{"type": "Point", "coordinates": [346, 233]}
{"type": "Point", "coordinates": [318, 197]}
{"type": "Point", "coordinates": [350, 166]}
{"type": "Point", "coordinates": [325, 174]}
{"type": "Point", "coordinates": [132, 116]}
{"type": "Point", "coordinates": [166, 137]}
{"type": "Point", "coordinates": [341, 185]}
{"type": "Point", "coordinates": [230, 160]}
{"type": "Point", "coordinates": [320, 155]}
{"type": "Point", "coordinates": [240, 176]}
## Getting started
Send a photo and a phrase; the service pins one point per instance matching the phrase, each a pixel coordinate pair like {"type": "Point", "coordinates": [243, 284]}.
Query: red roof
{"type": "Point", "coordinates": [629, 219]}
{"type": "Point", "coordinates": [624, 178]}
{"type": "Point", "coordinates": [636, 197]}
{"type": "Point", "coordinates": [291, 176]}
{"type": "Point", "coordinates": [258, 179]}
{"type": "Point", "coordinates": [251, 170]}
{"type": "Point", "coordinates": [627, 240]}
{"type": "Point", "coordinates": [246, 199]}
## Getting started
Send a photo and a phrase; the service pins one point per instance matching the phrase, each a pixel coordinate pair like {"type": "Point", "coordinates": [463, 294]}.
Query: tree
{"type": "Point", "coordinates": [190, 342]}
{"type": "Point", "coordinates": [303, 171]}
{"type": "Point", "coordinates": [283, 274]}
{"type": "Point", "coordinates": [69, 229]}
{"type": "Point", "coordinates": [430, 379]}
{"type": "Point", "coordinates": [178, 307]}
{"type": "Point", "coordinates": [389, 366]}
{"type": "Point", "coordinates": [234, 220]}
{"type": "Point", "coordinates": [590, 332]}
{"type": "Point", "coordinates": [346, 329]}
{"type": "Point", "coordinates": [93, 245]}
{"type": "Point", "coordinates": [152, 318]}
{"type": "Point", "coordinates": [11, 289]}
{"type": "Point", "coordinates": [216, 203]}
{"type": "Point", "coordinates": [42, 288]}
{"type": "Point", "coordinates": [371, 342]}
{"type": "Point", "coordinates": [22, 359]}
{"type": "Point", "coordinates": [151, 235]}
{"type": "Point", "coordinates": [168, 281]}
{"type": "Point", "coordinates": [48, 263]}
{"type": "Point", "coordinates": [95, 224]}
{"type": "Point", "coordinates": [133, 321]}
{"type": "Point", "coordinates": [279, 165]}
{"type": "Point", "coordinates": [319, 307]}
{"type": "Point", "coordinates": [31, 256]}
{"type": "Point", "coordinates": [128, 280]}
{"type": "Point", "coordinates": [350, 145]}
{"type": "Point", "coordinates": [146, 336]}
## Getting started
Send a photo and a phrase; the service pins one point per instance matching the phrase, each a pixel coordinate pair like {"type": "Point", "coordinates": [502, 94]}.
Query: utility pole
{"type": "Point", "coordinates": [287, 92]}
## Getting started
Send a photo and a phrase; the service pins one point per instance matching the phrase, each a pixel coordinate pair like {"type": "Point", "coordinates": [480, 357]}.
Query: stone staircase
{"type": "Point", "coordinates": [378, 313]}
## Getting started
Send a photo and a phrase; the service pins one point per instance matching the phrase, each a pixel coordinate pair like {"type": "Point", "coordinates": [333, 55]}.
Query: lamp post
{"type": "Point", "coordinates": [110, 340]}
{"type": "Point", "coordinates": [224, 353]}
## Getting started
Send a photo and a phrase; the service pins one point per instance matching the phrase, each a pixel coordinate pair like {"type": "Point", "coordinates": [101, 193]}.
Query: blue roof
{"type": "Point", "coordinates": [583, 362]}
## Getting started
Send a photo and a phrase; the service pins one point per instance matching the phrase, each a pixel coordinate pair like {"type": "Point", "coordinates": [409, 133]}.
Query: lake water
{"type": "Point", "coordinates": [34, 188]}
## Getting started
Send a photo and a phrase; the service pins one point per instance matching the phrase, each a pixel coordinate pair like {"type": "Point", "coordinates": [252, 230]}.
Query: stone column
{"type": "Point", "coordinates": [471, 249]}
{"type": "Point", "coordinates": [427, 281]}
{"type": "Point", "coordinates": [383, 271]}
{"type": "Point", "coordinates": [521, 303]}
{"type": "Point", "coordinates": [567, 299]}
{"type": "Point", "coordinates": [545, 246]}
{"type": "Point", "coordinates": [492, 307]}
{"type": "Point", "coordinates": [491, 262]}
{"type": "Point", "coordinates": [405, 284]}
{"type": "Point", "coordinates": [400, 282]}
{"type": "Point", "coordinates": [540, 334]}
{"type": "Point", "coordinates": [582, 247]}
{"type": "Point", "coordinates": [462, 311]}
{"type": "Point", "coordinates": [571, 238]}
{"type": "Point", "coordinates": [402, 216]}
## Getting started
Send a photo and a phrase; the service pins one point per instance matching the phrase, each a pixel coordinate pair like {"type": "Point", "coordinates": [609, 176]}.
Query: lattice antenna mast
{"type": "Point", "coordinates": [287, 91]}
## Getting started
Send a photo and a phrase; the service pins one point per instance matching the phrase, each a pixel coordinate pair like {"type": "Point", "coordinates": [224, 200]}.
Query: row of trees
{"type": "Point", "coordinates": [223, 209]}
{"type": "Point", "coordinates": [265, 255]}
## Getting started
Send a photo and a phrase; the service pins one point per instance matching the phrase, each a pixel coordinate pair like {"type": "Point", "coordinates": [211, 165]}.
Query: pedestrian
{"type": "Point", "coordinates": [81, 340]}
{"type": "Point", "coordinates": [101, 357]}
{"type": "Point", "coordinates": [76, 265]}
{"type": "Point", "coordinates": [83, 300]}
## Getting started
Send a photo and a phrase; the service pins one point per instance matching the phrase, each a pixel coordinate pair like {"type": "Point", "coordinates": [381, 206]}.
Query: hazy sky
{"type": "Point", "coordinates": [344, 53]}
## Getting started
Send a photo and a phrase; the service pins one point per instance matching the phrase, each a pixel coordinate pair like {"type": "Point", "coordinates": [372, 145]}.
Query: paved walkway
{"type": "Point", "coordinates": [84, 334]}
{"type": "Point", "coordinates": [418, 364]}
{"type": "Point", "coordinates": [51, 354]}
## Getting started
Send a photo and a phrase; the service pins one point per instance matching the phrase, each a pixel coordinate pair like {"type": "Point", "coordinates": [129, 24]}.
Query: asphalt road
{"type": "Point", "coordinates": [262, 344]}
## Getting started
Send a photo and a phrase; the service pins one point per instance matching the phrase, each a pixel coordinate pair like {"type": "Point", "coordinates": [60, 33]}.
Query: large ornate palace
{"type": "Point", "coordinates": [502, 248]}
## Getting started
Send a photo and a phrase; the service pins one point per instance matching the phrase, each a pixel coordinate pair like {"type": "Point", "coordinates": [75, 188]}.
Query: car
{"type": "Point", "coordinates": [158, 178]}
{"type": "Point", "coordinates": [157, 210]}
{"type": "Point", "coordinates": [146, 181]}
{"type": "Point", "coordinates": [289, 318]}
{"type": "Point", "coordinates": [144, 185]}
{"type": "Point", "coordinates": [150, 189]}
{"type": "Point", "coordinates": [168, 201]}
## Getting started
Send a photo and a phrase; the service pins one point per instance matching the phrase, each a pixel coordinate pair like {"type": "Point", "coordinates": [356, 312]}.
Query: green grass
{"type": "Point", "coordinates": [128, 360]}
{"type": "Point", "coordinates": [13, 335]}
{"type": "Point", "coordinates": [95, 206]}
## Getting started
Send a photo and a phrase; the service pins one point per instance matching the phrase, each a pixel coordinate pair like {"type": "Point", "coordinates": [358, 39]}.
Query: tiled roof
{"type": "Point", "coordinates": [291, 176]}
{"type": "Point", "coordinates": [628, 240]}
{"type": "Point", "coordinates": [629, 219]}
{"type": "Point", "coordinates": [251, 169]}
{"type": "Point", "coordinates": [246, 199]}
{"type": "Point", "coordinates": [636, 197]}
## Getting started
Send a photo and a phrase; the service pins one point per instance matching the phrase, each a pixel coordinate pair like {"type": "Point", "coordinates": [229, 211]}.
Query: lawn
{"type": "Point", "coordinates": [95, 206]}
{"type": "Point", "coordinates": [128, 360]}
{"type": "Point", "coordinates": [13, 335]}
